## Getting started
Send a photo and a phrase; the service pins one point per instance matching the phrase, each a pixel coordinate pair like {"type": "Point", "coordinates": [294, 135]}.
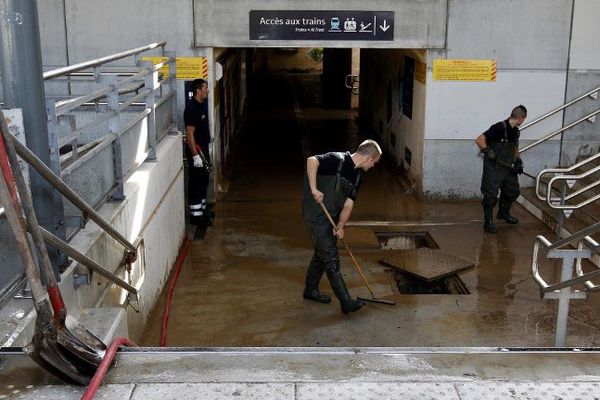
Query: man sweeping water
{"type": "Point", "coordinates": [333, 179]}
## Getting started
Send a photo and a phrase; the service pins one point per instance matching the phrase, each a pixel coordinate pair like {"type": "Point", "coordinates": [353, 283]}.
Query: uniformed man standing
{"type": "Point", "coordinates": [197, 134]}
{"type": "Point", "coordinates": [500, 148]}
{"type": "Point", "coordinates": [334, 180]}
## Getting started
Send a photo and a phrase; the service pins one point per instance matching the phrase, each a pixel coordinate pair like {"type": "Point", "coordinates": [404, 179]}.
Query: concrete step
{"type": "Point", "coordinates": [106, 323]}
{"type": "Point", "coordinates": [580, 219]}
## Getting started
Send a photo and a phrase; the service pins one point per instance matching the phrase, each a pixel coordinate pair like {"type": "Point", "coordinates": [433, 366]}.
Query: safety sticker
{"type": "Point", "coordinates": [464, 70]}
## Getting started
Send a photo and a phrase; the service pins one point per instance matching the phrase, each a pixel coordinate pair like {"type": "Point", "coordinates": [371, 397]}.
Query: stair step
{"type": "Point", "coordinates": [580, 219]}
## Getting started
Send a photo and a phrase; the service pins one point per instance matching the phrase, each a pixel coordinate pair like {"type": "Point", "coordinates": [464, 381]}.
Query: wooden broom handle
{"type": "Point", "coordinates": [356, 266]}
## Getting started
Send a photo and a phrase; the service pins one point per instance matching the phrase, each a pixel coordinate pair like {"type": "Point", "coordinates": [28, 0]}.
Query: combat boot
{"type": "Point", "coordinates": [347, 303]}
{"type": "Point", "coordinates": [488, 215]}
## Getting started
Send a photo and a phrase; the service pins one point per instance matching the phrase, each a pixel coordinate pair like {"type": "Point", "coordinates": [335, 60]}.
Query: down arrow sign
{"type": "Point", "coordinates": [385, 26]}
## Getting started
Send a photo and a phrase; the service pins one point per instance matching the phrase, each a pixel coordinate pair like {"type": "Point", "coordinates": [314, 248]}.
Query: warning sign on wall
{"type": "Point", "coordinates": [464, 70]}
{"type": "Point", "coordinates": [188, 68]}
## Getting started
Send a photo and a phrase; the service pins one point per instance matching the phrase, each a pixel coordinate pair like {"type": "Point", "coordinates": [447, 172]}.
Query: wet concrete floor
{"type": "Point", "coordinates": [242, 285]}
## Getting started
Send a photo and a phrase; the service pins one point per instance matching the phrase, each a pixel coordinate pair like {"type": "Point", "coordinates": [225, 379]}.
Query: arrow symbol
{"type": "Point", "coordinates": [385, 26]}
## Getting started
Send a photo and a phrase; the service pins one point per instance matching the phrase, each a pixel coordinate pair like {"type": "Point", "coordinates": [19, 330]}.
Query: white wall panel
{"type": "Point", "coordinates": [462, 110]}
{"type": "Point", "coordinates": [585, 46]}
{"type": "Point", "coordinates": [518, 33]}
{"type": "Point", "coordinates": [98, 28]}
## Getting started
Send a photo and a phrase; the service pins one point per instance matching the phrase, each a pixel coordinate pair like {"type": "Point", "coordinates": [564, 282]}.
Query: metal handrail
{"type": "Point", "coordinates": [560, 171]}
{"type": "Point", "coordinates": [99, 61]}
{"type": "Point", "coordinates": [551, 135]}
{"type": "Point", "coordinates": [570, 103]}
{"type": "Point", "coordinates": [577, 236]}
{"type": "Point", "coordinates": [592, 244]}
{"type": "Point", "coordinates": [581, 278]}
{"type": "Point", "coordinates": [535, 271]}
{"type": "Point", "coordinates": [554, 202]}
{"type": "Point", "coordinates": [69, 193]}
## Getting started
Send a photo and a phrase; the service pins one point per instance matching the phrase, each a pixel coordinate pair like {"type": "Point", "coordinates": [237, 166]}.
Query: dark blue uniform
{"type": "Point", "coordinates": [196, 115]}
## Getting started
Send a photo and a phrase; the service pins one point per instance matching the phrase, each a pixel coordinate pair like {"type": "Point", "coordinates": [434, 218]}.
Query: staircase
{"type": "Point", "coordinates": [578, 219]}
{"type": "Point", "coordinates": [567, 200]}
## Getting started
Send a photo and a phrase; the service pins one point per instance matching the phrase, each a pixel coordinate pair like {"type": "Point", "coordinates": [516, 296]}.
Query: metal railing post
{"type": "Point", "coordinates": [151, 82]}
{"type": "Point", "coordinates": [114, 126]}
{"type": "Point", "coordinates": [563, 303]}
{"type": "Point", "coordinates": [58, 210]}
{"type": "Point", "coordinates": [561, 214]}
{"type": "Point", "coordinates": [173, 88]}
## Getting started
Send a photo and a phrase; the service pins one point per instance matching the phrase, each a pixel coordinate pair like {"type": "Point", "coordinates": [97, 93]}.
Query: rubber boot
{"type": "Point", "coordinates": [311, 289]}
{"type": "Point", "coordinates": [338, 285]}
{"type": "Point", "coordinates": [488, 215]}
{"type": "Point", "coordinates": [504, 213]}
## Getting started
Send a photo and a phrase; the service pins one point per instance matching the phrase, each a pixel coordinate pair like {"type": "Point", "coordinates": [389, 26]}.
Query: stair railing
{"type": "Point", "coordinates": [563, 176]}
{"type": "Point", "coordinates": [576, 247]}
{"type": "Point", "coordinates": [586, 248]}
{"type": "Point", "coordinates": [593, 93]}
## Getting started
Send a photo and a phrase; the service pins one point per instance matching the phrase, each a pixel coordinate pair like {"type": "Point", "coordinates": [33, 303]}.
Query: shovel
{"type": "Point", "coordinates": [373, 299]}
{"type": "Point", "coordinates": [77, 345]}
{"type": "Point", "coordinates": [44, 348]}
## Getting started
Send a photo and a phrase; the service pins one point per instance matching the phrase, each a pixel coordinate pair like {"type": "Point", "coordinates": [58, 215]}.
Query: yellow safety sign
{"type": "Point", "coordinates": [464, 70]}
{"type": "Point", "coordinates": [187, 68]}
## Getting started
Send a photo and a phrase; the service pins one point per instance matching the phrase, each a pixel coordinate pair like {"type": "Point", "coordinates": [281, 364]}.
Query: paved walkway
{"type": "Point", "coordinates": [324, 374]}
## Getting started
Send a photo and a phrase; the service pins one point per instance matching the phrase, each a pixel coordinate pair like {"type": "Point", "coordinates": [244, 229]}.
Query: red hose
{"type": "Point", "coordinates": [185, 247]}
{"type": "Point", "coordinates": [8, 175]}
{"type": "Point", "coordinates": [119, 341]}
{"type": "Point", "coordinates": [103, 367]}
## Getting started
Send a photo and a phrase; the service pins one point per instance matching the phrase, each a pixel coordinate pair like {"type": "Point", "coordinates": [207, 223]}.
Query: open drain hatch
{"type": "Point", "coordinates": [419, 267]}
{"type": "Point", "coordinates": [405, 240]}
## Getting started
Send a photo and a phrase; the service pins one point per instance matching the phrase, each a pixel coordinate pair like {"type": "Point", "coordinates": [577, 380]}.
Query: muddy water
{"type": "Point", "coordinates": [242, 285]}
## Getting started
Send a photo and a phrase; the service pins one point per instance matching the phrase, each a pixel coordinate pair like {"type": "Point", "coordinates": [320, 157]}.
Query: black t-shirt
{"type": "Point", "coordinates": [329, 164]}
{"type": "Point", "coordinates": [496, 133]}
{"type": "Point", "coordinates": [196, 115]}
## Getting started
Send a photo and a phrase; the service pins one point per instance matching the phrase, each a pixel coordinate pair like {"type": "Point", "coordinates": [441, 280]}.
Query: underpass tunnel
{"type": "Point", "coordinates": [276, 106]}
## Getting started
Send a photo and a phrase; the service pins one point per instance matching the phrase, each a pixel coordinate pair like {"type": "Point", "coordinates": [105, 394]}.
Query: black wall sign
{"type": "Point", "coordinates": [321, 25]}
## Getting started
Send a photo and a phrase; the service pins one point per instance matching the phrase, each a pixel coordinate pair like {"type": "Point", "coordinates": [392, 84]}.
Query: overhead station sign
{"type": "Point", "coordinates": [464, 70]}
{"type": "Point", "coordinates": [345, 25]}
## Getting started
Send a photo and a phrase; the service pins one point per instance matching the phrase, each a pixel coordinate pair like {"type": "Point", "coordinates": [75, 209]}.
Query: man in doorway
{"type": "Point", "coordinates": [500, 148]}
{"type": "Point", "coordinates": [333, 179]}
{"type": "Point", "coordinates": [197, 134]}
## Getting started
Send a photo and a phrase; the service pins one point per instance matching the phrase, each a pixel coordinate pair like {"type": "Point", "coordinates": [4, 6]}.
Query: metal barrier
{"type": "Point", "coordinates": [106, 133]}
{"type": "Point", "coordinates": [99, 137]}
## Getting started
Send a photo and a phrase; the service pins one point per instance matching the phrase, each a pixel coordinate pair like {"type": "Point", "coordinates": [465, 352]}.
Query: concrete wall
{"type": "Point", "coordinates": [225, 23]}
{"type": "Point", "coordinates": [380, 74]}
{"type": "Point", "coordinates": [154, 209]}
{"type": "Point", "coordinates": [286, 59]}
{"type": "Point", "coordinates": [84, 29]}
{"type": "Point", "coordinates": [530, 43]}
{"type": "Point", "coordinates": [584, 75]}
